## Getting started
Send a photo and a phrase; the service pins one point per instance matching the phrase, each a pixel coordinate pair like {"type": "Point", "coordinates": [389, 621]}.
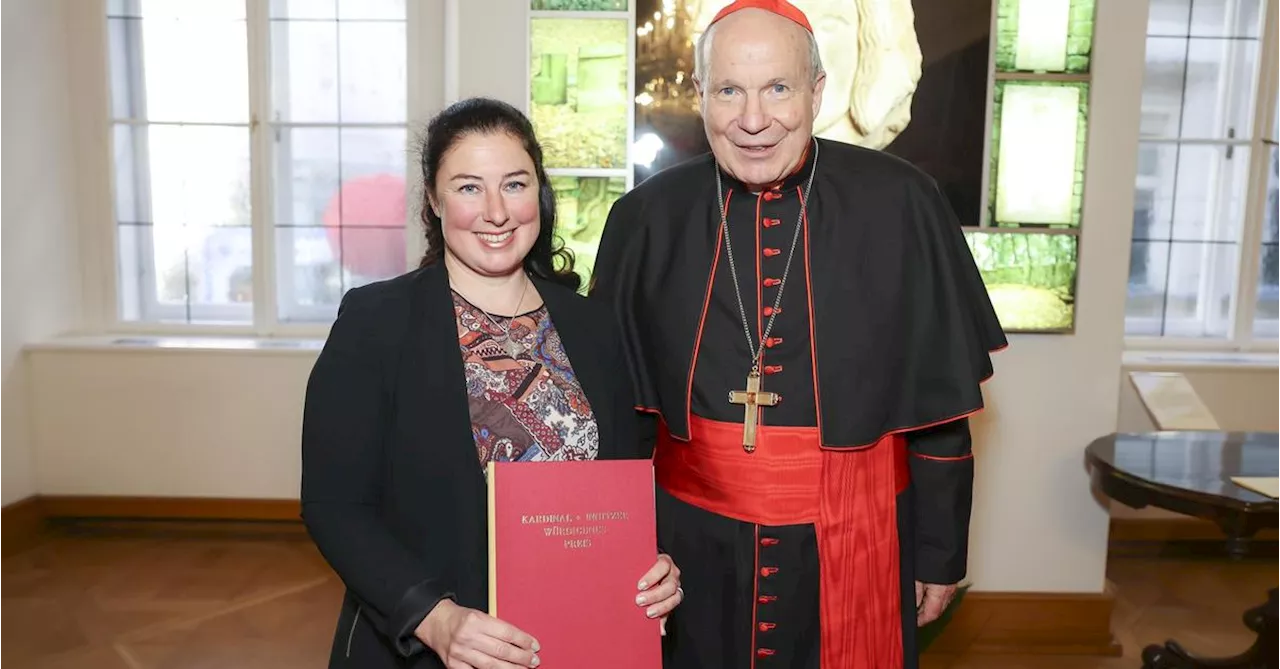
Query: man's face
{"type": "Point", "coordinates": [760, 99]}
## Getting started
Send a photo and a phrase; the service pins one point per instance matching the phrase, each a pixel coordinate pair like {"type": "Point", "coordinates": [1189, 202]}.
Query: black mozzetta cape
{"type": "Point", "coordinates": [902, 324]}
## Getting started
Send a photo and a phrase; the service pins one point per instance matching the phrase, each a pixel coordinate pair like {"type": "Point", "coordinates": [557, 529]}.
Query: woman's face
{"type": "Point", "coordinates": [486, 195]}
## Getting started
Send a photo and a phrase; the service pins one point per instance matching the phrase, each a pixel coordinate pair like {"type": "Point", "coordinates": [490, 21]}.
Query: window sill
{"type": "Point", "coordinates": [1200, 360]}
{"type": "Point", "coordinates": [141, 343]}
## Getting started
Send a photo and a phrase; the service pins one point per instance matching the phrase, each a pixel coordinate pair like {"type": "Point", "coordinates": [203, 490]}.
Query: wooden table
{"type": "Point", "coordinates": [1190, 473]}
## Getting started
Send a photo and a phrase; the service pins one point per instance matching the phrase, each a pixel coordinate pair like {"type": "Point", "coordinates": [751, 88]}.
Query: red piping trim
{"type": "Point", "coordinates": [759, 292]}
{"type": "Point", "coordinates": [648, 410]}
{"type": "Point", "coordinates": [702, 321]}
{"type": "Point", "coordinates": [755, 596]}
{"type": "Point", "coordinates": [957, 458]}
{"type": "Point", "coordinates": [813, 337]}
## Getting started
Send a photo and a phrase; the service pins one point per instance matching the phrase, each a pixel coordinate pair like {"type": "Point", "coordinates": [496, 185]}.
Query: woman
{"type": "Point", "coordinates": [484, 353]}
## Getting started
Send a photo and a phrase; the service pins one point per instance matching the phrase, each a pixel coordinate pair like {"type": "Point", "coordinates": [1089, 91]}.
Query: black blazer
{"type": "Point", "coordinates": [392, 489]}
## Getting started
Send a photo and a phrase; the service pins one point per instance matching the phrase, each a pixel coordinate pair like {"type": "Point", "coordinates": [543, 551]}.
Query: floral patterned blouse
{"type": "Point", "coordinates": [526, 406]}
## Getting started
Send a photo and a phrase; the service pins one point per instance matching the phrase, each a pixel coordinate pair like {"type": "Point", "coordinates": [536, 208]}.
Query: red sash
{"type": "Point", "coordinates": [849, 496]}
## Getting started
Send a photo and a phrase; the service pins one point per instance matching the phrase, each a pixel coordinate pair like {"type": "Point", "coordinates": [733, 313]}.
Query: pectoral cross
{"type": "Point", "coordinates": [752, 398]}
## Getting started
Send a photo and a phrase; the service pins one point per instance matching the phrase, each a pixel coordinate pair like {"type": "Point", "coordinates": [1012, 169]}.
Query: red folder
{"type": "Point", "coordinates": [568, 543]}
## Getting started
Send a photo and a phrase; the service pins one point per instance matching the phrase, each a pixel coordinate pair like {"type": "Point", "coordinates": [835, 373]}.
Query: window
{"type": "Point", "coordinates": [259, 156]}
{"type": "Point", "coordinates": [1203, 260]}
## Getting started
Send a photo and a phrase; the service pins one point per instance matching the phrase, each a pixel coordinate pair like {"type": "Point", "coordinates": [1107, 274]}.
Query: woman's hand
{"type": "Point", "coordinates": [660, 590]}
{"type": "Point", "coordinates": [468, 639]}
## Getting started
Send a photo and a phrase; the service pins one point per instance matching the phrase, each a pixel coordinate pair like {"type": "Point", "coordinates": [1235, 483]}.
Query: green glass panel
{"type": "Point", "coordinates": [579, 91]}
{"type": "Point", "coordinates": [1038, 138]}
{"type": "Point", "coordinates": [582, 206]}
{"type": "Point", "coordinates": [1031, 278]}
{"type": "Point", "coordinates": [1044, 35]}
{"type": "Point", "coordinates": [579, 5]}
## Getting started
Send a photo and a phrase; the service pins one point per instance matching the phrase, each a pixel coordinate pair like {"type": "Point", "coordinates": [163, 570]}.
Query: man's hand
{"type": "Point", "coordinates": [931, 601]}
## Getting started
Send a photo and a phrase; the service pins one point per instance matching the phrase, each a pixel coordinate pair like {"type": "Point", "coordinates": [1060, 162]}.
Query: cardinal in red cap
{"type": "Point", "coordinates": [806, 332]}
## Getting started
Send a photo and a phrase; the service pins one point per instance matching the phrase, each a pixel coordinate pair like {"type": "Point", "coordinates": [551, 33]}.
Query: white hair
{"type": "Point", "coordinates": [702, 57]}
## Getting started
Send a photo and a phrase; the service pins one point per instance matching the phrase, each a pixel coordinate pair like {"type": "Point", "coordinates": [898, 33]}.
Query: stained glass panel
{"type": "Point", "coordinates": [1031, 278]}
{"type": "Point", "coordinates": [578, 5]}
{"type": "Point", "coordinates": [1039, 136]}
{"type": "Point", "coordinates": [582, 206]}
{"type": "Point", "coordinates": [1044, 36]}
{"type": "Point", "coordinates": [579, 91]}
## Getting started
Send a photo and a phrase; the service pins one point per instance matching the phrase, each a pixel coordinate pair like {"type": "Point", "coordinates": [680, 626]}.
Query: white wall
{"type": "Point", "coordinates": [1240, 397]}
{"type": "Point", "coordinates": [180, 422]}
{"type": "Point", "coordinates": [41, 277]}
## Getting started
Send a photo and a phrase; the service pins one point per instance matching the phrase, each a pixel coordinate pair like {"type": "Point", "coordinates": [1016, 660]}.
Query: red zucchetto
{"type": "Point", "coordinates": [780, 7]}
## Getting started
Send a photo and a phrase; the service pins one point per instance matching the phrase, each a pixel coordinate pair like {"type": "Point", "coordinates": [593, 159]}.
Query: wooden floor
{"type": "Point", "coordinates": [138, 600]}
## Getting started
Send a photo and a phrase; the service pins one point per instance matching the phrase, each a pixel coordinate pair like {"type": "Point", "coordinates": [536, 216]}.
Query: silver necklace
{"type": "Point", "coordinates": [757, 351]}
{"type": "Point", "coordinates": [513, 349]}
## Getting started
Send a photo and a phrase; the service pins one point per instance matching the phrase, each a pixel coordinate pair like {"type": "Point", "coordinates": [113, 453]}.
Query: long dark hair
{"type": "Point", "coordinates": [548, 259]}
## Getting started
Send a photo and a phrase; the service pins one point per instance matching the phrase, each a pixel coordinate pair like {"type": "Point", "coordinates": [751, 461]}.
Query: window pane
{"type": "Point", "coordinates": [379, 10]}
{"type": "Point", "coordinates": [346, 10]}
{"type": "Point", "coordinates": [1219, 96]}
{"type": "Point", "coordinates": [1226, 18]}
{"type": "Point", "coordinates": [182, 175]}
{"type": "Point", "coordinates": [1039, 169]}
{"type": "Point", "coordinates": [306, 174]}
{"type": "Point", "coordinates": [309, 279]}
{"type": "Point", "coordinates": [1190, 193]}
{"type": "Point", "coordinates": [582, 206]}
{"type": "Point", "coordinates": [186, 273]}
{"type": "Point", "coordinates": [304, 9]}
{"type": "Point", "coordinates": [579, 91]}
{"type": "Point", "coordinates": [373, 72]}
{"type": "Point", "coordinates": [579, 5]}
{"type": "Point", "coordinates": [1266, 321]}
{"type": "Point", "coordinates": [1031, 278]}
{"type": "Point", "coordinates": [167, 9]}
{"type": "Point", "coordinates": [190, 67]}
{"type": "Point", "coordinates": [1180, 289]}
{"type": "Point", "coordinates": [183, 209]}
{"type": "Point", "coordinates": [1169, 17]}
{"type": "Point", "coordinates": [1162, 85]}
{"type": "Point", "coordinates": [341, 213]}
{"type": "Point", "coordinates": [304, 71]}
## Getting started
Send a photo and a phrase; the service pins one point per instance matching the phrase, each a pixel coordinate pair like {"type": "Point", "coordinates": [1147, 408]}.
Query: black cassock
{"type": "Point", "coordinates": [883, 292]}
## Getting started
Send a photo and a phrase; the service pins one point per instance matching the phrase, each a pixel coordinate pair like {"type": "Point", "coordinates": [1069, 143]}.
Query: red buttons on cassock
{"type": "Point", "coordinates": [770, 283]}
{"type": "Point", "coordinates": [766, 599]}
{"type": "Point", "coordinates": [772, 341]}
{"type": "Point", "coordinates": [772, 369]}
{"type": "Point", "coordinates": [770, 195]}
{"type": "Point", "coordinates": [769, 541]}
{"type": "Point", "coordinates": [766, 627]}
{"type": "Point", "coordinates": [770, 222]}
{"type": "Point", "coordinates": [768, 571]}
{"type": "Point", "coordinates": [769, 253]}
{"type": "Point", "coordinates": [769, 311]}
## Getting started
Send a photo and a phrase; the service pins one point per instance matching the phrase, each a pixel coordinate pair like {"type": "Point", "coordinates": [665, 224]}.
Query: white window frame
{"type": "Point", "coordinates": [425, 74]}
{"type": "Point", "coordinates": [1240, 335]}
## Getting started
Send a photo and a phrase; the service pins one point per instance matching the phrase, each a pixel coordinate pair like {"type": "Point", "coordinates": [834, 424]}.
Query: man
{"type": "Point", "coordinates": [807, 328]}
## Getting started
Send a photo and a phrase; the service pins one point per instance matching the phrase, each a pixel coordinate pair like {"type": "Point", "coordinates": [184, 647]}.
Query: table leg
{"type": "Point", "coordinates": [1262, 655]}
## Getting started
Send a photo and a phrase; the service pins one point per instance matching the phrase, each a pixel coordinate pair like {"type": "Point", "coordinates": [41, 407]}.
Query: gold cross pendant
{"type": "Point", "coordinates": [752, 398]}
